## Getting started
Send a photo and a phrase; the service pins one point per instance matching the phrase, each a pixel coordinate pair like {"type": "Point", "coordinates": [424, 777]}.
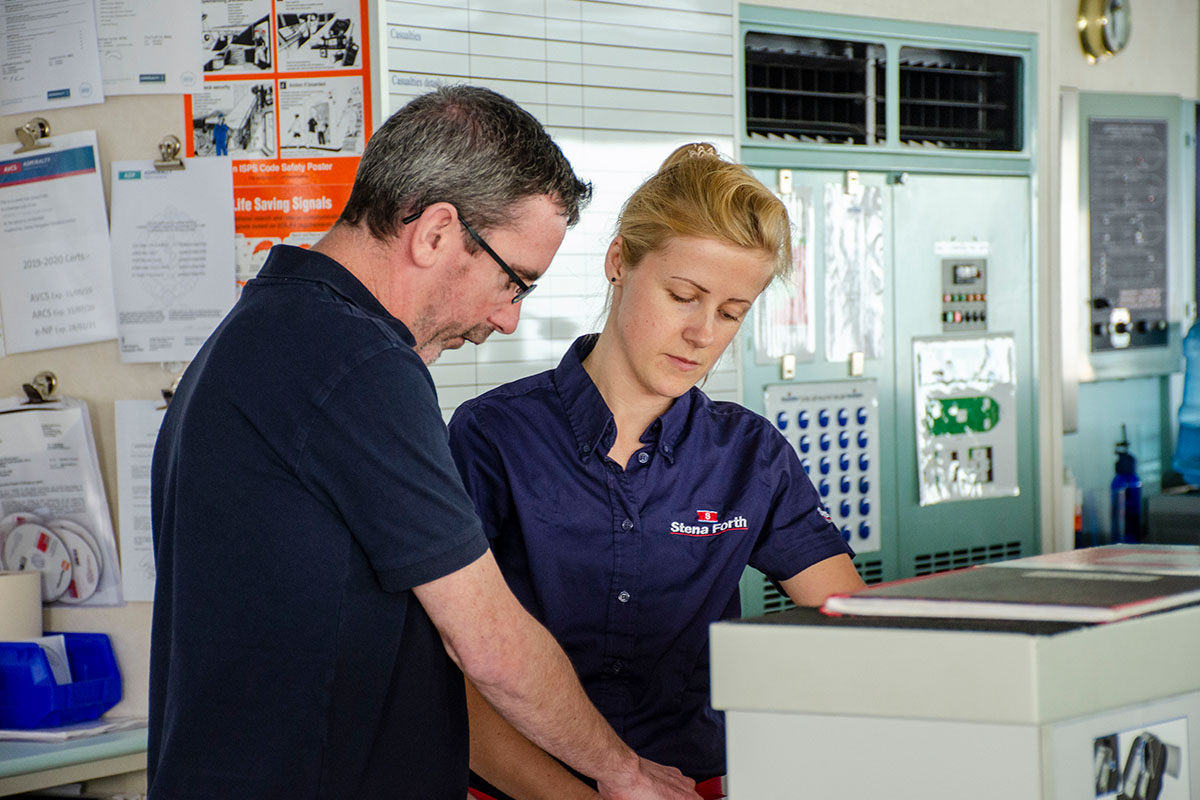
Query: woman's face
{"type": "Point", "coordinates": [677, 311]}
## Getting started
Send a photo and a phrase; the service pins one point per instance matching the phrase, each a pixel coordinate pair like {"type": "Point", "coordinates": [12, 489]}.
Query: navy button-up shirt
{"type": "Point", "coordinates": [628, 567]}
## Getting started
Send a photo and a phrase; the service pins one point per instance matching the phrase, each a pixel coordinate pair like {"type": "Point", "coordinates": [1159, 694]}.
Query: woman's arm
{"type": "Point", "coordinates": [513, 764]}
{"type": "Point", "coordinates": [811, 586]}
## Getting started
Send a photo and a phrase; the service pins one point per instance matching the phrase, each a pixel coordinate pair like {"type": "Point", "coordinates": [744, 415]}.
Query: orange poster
{"type": "Point", "coordinates": [287, 98]}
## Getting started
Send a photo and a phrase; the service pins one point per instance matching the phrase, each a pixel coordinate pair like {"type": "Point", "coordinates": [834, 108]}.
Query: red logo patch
{"type": "Point", "coordinates": [705, 516]}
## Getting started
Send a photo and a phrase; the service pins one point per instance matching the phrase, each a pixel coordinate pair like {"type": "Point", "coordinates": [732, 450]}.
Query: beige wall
{"type": "Point", "coordinates": [1163, 58]}
{"type": "Point", "coordinates": [127, 128]}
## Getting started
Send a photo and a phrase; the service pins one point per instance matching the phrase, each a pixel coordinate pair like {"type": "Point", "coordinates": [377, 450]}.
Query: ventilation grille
{"type": "Point", "coordinates": [818, 90]}
{"type": "Point", "coordinates": [961, 100]}
{"type": "Point", "coordinates": [929, 563]}
{"type": "Point", "coordinates": [774, 600]}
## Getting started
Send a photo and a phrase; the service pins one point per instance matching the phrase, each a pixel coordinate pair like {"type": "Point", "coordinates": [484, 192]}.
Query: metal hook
{"type": "Point", "coordinates": [41, 387]}
{"type": "Point", "coordinates": [169, 148]}
{"type": "Point", "coordinates": [31, 132]}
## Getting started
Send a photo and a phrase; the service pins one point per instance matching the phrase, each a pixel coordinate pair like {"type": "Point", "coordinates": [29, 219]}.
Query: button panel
{"type": "Point", "coordinates": [841, 459]}
{"type": "Point", "coordinates": [964, 295]}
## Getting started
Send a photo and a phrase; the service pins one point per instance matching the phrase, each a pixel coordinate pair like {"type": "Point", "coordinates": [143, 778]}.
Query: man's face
{"type": "Point", "coordinates": [476, 298]}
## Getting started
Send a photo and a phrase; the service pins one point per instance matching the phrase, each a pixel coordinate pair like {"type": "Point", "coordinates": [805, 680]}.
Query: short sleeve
{"type": "Point", "coordinates": [798, 531]}
{"type": "Point", "coordinates": [377, 450]}
{"type": "Point", "coordinates": [482, 470]}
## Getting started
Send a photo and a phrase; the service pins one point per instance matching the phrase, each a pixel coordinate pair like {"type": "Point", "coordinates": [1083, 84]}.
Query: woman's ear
{"type": "Point", "coordinates": [613, 263]}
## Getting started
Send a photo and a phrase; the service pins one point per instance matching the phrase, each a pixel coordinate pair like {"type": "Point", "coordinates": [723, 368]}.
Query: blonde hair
{"type": "Point", "coordinates": [697, 193]}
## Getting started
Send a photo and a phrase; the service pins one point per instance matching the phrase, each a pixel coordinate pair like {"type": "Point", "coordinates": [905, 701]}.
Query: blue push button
{"type": "Point", "coordinates": [864, 485]}
{"type": "Point", "coordinates": [823, 487]}
{"type": "Point", "coordinates": [864, 462]}
{"type": "Point", "coordinates": [864, 506]}
{"type": "Point", "coordinates": [825, 465]}
{"type": "Point", "coordinates": [843, 416]}
{"type": "Point", "coordinates": [861, 415]}
{"type": "Point", "coordinates": [846, 533]}
{"type": "Point", "coordinates": [845, 484]}
{"type": "Point", "coordinates": [862, 439]}
{"type": "Point", "coordinates": [864, 531]}
{"type": "Point", "coordinates": [825, 441]}
{"type": "Point", "coordinates": [807, 465]}
{"type": "Point", "coordinates": [802, 419]}
{"type": "Point", "coordinates": [844, 508]}
{"type": "Point", "coordinates": [844, 461]}
{"type": "Point", "coordinates": [805, 443]}
{"type": "Point", "coordinates": [843, 439]}
{"type": "Point", "coordinates": [823, 417]}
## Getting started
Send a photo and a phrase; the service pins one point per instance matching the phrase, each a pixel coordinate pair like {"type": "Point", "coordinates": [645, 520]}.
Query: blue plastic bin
{"type": "Point", "coordinates": [30, 697]}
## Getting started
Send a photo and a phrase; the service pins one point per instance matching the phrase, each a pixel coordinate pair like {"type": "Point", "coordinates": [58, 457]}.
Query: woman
{"type": "Point", "coordinates": [623, 504]}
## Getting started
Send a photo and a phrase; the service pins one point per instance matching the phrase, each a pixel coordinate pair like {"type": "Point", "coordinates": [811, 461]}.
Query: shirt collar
{"type": "Point", "coordinates": [286, 262]}
{"type": "Point", "coordinates": [590, 416]}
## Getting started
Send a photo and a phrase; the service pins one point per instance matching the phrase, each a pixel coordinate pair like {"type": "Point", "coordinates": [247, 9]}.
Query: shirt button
{"type": "Point", "coordinates": [666, 448]}
{"type": "Point", "coordinates": [626, 524]}
{"type": "Point", "coordinates": [617, 667]}
{"type": "Point", "coordinates": [623, 597]}
{"type": "Point", "coordinates": [643, 458]}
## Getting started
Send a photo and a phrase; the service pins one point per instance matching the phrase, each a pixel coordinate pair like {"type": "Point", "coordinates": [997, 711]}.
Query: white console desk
{"type": "Point", "coordinates": [852, 707]}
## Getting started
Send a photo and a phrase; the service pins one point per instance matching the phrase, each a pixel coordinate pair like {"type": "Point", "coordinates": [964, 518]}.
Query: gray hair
{"type": "Point", "coordinates": [464, 145]}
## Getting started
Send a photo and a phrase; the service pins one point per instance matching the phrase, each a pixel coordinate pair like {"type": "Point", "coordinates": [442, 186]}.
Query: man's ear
{"type": "Point", "coordinates": [433, 234]}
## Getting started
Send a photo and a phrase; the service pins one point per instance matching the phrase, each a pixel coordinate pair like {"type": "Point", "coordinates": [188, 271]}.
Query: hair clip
{"type": "Point", "coordinates": [700, 150]}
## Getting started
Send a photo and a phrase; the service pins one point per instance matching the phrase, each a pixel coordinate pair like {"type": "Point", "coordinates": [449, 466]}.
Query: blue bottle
{"type": "Point", "coordinates": [1187, 448]}
{"type": "Point", "coordinates": [1126, 496]}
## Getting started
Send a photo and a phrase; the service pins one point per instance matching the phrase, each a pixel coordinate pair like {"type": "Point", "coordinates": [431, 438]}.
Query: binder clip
{"type": "Point", "coordinates": [168, 148]}
{"type": "Point", "coordinates": [31, 133]}
{"type": "Point", "coordinates": [40, 389]}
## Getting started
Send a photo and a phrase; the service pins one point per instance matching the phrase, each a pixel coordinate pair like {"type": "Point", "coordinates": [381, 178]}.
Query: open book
{"type": "Point", "coordinates": [1018, 591]}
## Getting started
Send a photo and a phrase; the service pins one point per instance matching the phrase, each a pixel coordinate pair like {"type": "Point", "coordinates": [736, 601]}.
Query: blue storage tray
{"type": "Point", "coordinates": [30, 697]}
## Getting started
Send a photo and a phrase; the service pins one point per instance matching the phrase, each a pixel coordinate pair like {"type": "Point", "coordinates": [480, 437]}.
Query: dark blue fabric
{"type": "Point", "coordinates": [615, 562]}
{"type": "Point", "coordinates": [302, 485]}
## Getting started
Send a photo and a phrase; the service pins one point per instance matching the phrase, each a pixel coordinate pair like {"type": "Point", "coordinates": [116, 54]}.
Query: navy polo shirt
{"type": "Point", "coordinates": [302, 485]}
{"type": "Point", "coordinates": [628, 567]}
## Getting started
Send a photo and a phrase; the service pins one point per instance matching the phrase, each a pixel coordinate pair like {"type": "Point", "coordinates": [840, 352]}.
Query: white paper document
{"type": "Point", "coordinates": [138, 422]}
{"type": "Point", "coordinates": [172, 256]}
{"type": "Point", "coordinates": [50, 477]}
{"type": "Point", "coordinates": [78, 730]}
{"type": "Point", "coordinates": [56, 285]}
{"type": "Point", "coordinates": [49, 56]}
{"type": "Point", "coordinates": [146, 50]}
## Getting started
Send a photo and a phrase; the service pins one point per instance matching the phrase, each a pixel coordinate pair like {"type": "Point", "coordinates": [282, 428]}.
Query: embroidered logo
{"type": "Point", "coordinates": [710, 524]}
{"type": "Point", "coordinates": [825, 514]}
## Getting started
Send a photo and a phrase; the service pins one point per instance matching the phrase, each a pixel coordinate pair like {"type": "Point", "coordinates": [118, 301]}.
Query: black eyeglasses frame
{"type": "Point", "coordinates": [523, 288]}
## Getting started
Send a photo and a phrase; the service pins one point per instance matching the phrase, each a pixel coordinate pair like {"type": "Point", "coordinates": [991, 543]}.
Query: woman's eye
{"type": "Point", "coordinates": [679, 299]}
{"type": "Point", "coordinates": [731, 317]}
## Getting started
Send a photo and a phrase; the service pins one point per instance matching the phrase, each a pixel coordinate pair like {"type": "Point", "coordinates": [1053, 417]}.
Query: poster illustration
{"type": "Point", "coordinates": [287, 98]}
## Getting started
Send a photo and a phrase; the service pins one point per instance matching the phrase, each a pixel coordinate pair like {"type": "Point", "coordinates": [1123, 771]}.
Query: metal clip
{"type": "Point", "coordinates": [169, 148]}
{"type": "Point", "coordinates": [40, 389]}
{"type": "Point", "coordinates": [31, 133]}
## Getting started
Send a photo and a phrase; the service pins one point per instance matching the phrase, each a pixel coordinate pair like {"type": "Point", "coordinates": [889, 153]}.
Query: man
{"type": "Point", "coordinates": [320, 567]}
{"type": "Point", "coordinates": [220, 134]}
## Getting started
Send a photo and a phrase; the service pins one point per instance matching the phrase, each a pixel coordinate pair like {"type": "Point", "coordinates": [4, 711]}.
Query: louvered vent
{"type": "Point", "coordinates": [956, 99]}
{"type": "Point", "coordinates": [929, 563]}
{"type": "Point", "coordinates": [819, 90]}
{"type": "Point", "coordinates": [774, 600]}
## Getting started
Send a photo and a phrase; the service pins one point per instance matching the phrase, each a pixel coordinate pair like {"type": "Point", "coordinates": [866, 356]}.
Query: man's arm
{"type": "Point", "coordinates": [512, 763]}
{"type": "Point", "coordinates": [835, 575]}
{"type": "Point", "coordinates": [519, 668]}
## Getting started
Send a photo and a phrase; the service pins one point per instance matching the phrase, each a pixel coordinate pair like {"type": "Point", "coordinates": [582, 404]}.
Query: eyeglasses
{"type": "Point", "coordinates": [523, 288]}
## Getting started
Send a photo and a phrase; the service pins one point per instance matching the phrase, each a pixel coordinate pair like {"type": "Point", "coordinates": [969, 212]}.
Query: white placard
{"type": "Point", "coordinates": [146, 50]}
{"type": "Point", "coordinates": [56, 287]}
{"type": "Point", "coordinates": [49, 57]}
{"type": "Point", "coordinates": [966, 417]}
{"type": "Point", "coordinates": [138, 422]}
{"type": "Point", "coordinates": [172, 256]}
